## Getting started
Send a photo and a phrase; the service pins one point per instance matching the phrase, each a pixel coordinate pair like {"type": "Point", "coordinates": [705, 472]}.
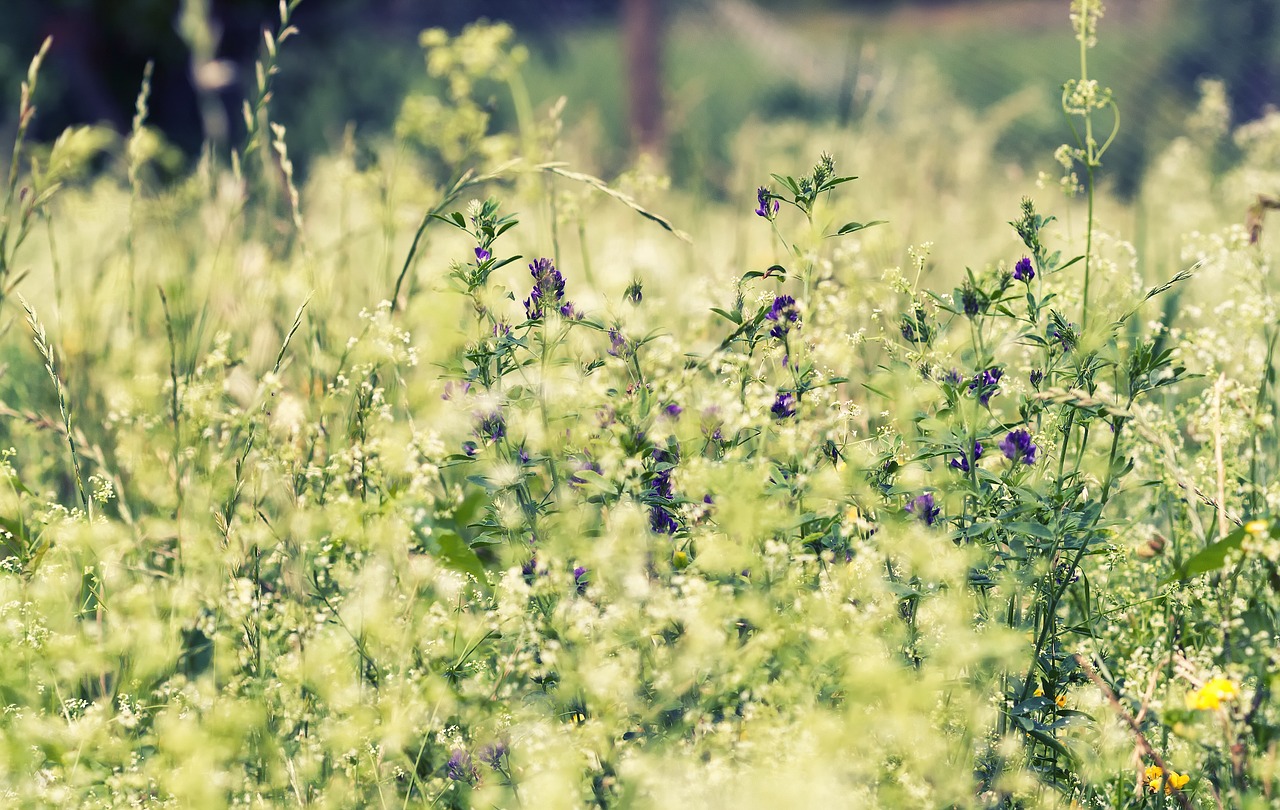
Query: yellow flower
{"type": "Point", "coordinates": [1257, 528]}
{"type": "Point", "coordinates": [1153, 777]}
{"type": "Point", "coordinates": [1212, 694]}
{"type": "Point", "coordinates": [1061, 700]}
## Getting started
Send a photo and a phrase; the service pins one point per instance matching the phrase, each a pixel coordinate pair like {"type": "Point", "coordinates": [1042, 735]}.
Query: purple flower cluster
{"type": "Point", "coordinates": [984, 384]}
{"type": "Point", "coordinates": [493, 754]}
{"type": "Point", "coordinates": [459, 768]}
{"type": "Point", "coordinates": [492, 427]}
{"type": "Point", "coordinates": [580, 579]}
{"type": "Point", "coordinates": [923, 507]}
{"type": "Point", "coordinates": [783, 313]}
{"type": "Point", "coordinates": [619, 346]}
{"type": "Point", "coordinates": [1017, 446]}
{"type": "Point", "coordinates": [548, 292]}
{"type": "Point", "coordinates": [482, 255]}
{"type": "Point", "coordinates": [784, 405]}
{"type": "Point", "coordinates": [961, 463]}
{"type": "Point", "coordinates": [768, 206]}
{"type": "Point", "coordinates": [1023, 271]}
{"type": "Point", "coordinates": [660, 517]}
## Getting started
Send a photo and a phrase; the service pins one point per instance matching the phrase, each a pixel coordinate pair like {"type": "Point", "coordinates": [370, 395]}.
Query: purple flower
{"type": "Point", "coordinates": [768, 206]}
{"type": "Point", "coordinates": [984, 384]}
{"type": "Point", "coordinates": [1017, 446]}
{"type": "Point", "coordinates": [530, 569]}
{"type": "Point", "coordinates": [619, 346]}
{"type": "Point", "coordinates": [1037, 377]}
{"type": "Point", "coordinates": [1023, 271]}
{"type": "Point", "coordinates": [482, 255]}
{"type": "Point", "coordinates": [548, 290]}
{"type": "Point", "coordinates": [661, 490]}
{"type": "Point", "coordinates": [459, 768]}
{"type": "Point", "coordinates": [784, 405]}
{"type": "Point", "coordinates": [580, 579]}
{"type": "Point", "coordinates": [453, 389]}
{"type": "Point", "coordinates": [783, 313]}
{"type": "Point", "coordinates": [1064, 334]}
{"type": "Point", "coordinates": [673, 410]}
{"type": "Point", "coordinates": [961, 463]}
{"type": "Point", "coordinates": [493, 754]}
{"type": "Point", "coordinates": [522, 455]}
{"type": "Point", "coordinates": [922, 506]}
{"type": "Point", "coordinates": [969, 300]}
{"type": "Point", "coordinates": [469, 448]}
{"type": "Point", "coordinates": [492, 427]}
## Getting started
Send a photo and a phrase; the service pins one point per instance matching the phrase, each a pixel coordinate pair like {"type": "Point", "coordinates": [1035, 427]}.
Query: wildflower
{"type": "Point", "coordinates": [673, 410]}
{"type": "Point", "coordinates": [1213, 694]}
{"type": "Point", "coordinates": [970, 300]}
{"type": "Point", "coordinates": [469, 448]}
{"type": "Point", "coordinates": [482, 255]}
{"type": "Point", "coordinates": [548, 290]}
{"type": "Point", "coordinates": [580, 579]}
{"type": "Point", "coordinates": [984, 384]}
{"type": "Point", "coordinates": [453, 389]}
{"type": "Point", "coordinates": [1154, 776]}
{"type": "Point", "coordinates": [784, 405]}
{"type": "Point", "coordinates": [825, 169]}
{"type": "Point", "coordinates": [634, 293]}
{"type": "Point", "coordinates": [961, 463]}
{"type": "Point", "coordinates": [922, 506]}
{"type": "Point", "coordinates": [764, 197]}
{"type": "Point", "coordinates": [492, 427]}
{"type": "Point", "coordinates": [459, 767]}
{"type": "Point", "coordinates": [619, 346]}
{"type": "Point", "coordinates": [783, 313]}
{"type": "Point", "coordinates": [1037, 377]}
{"type": "Point", "coordinates": [1060, 700]}
{"type": "Point", "coordinates": [493, 754]}
{"type": "Point", "coordinates": [1017, 446]}
{"type": "Point", "coordinates": [529, 569]}
{"type": "Point", "coordinates": [1023, 271]}
{"type": "Point", "coordinates": [660, 489]}
{"type": "Point", "coordinates": [952, 377]}
{"type": "Point", "coordinates": [1064, 334]}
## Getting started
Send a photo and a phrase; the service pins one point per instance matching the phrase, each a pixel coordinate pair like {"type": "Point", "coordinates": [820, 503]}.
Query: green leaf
{"type": "Point", "coordinates": [455, 554]}
{"type": "Point", "coordinates": [1213, 557]}
{"type": "Point", "coordinates": [1045, 739]}
{"type": "Point", "coordinates": [469, 509]}
{"type": "Point", "coordinates": [854, 227]}
{"type": "Point", "coordinates": [593, 480]}
{"type": "Point", "coordinates": [732, 316]}
{"type": "Point", "coordinates": [1038, 530]}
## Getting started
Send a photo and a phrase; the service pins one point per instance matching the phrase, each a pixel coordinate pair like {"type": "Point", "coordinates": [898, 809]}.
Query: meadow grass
{"type": "Point", "coordinates": [457, 477]}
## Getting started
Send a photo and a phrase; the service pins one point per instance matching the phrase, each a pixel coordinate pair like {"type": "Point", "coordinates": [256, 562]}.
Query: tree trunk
{"type": "Point", "coordinates": [643, 28]}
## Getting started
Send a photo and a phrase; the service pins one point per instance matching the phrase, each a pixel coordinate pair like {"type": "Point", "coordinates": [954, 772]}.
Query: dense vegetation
{"type": "Point", "coordinates": [458, 477]}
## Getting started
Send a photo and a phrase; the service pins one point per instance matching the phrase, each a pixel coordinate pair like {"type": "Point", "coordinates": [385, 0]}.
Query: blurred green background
{"type": "Point", "coordinates": [724, 62]}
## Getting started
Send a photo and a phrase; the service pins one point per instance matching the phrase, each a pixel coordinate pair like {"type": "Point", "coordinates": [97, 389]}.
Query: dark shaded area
{"type": "Point", "coordinates": [353, 53]}
{"type": "Point", "coordinates": [1238, 42]}
{"type": "Point", "coordinates": [355, 59]}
